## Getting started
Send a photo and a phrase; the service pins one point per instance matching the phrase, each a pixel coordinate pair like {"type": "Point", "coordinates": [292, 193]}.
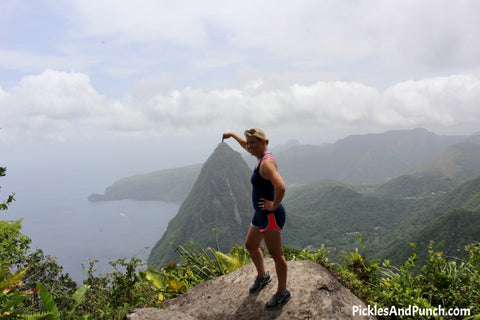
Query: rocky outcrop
{"type": "Point", "coordinates": [316, 294]}
{"type": "Point", "coordinates": [157, 314]}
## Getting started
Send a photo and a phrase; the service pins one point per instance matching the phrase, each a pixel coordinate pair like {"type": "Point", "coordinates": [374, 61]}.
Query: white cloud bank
{"type": "Point", "coordinates": [206, 44]}
{"type": "Point", "coordinates": [60, 105]}
{"type": "Point", "coordinates": [322, 29]}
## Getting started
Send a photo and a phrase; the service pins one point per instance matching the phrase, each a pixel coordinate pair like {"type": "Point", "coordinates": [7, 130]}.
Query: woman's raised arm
{"type": "Point", "coordinates": [241, 140]}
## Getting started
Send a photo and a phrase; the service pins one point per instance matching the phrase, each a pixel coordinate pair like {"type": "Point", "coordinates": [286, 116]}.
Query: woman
{"type": "Point", "coordinates": [269, 219]}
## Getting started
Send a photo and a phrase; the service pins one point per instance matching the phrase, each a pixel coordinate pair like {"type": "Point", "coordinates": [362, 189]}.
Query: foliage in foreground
{"type": "Point", "coordinates": [33, 286]}
{"type": "Point", "coordinates": [440, 282]}
{"type": "Point", "coordinates": [131, 285]}
{"type": "Point", "coordinates": [444, 282]}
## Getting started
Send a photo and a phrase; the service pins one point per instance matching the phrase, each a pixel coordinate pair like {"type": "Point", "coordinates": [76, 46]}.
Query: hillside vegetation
{"type": "Point", "coordinates": [219, 199]}
{"type": "Point", "coordinates": [166, 185]}
{"type": "Point", "coordinates": [412, 186]}
{"type": "Point", "coordinates": [336, 216]}
{"type": "Point", "coordinates": [460, 161]}
{"type": "Point", "coordinates": [449, 234]}
{"type": "Point", "coordinates": [452, 219]}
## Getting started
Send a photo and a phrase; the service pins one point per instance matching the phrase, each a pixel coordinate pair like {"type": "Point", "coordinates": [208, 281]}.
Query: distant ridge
{"type": "Point", "coordinates": [166, 185]}
{"type": "Point", "coordinates": [460, 161]}
{"type": "Point", "coordinates": [363, 159]}
{"type": "Point", "coordinates": [357, 159]}
{"type": "Point", "coordinates": [415, 186]}
{"type": "Point", "coordinates": [220, 199]}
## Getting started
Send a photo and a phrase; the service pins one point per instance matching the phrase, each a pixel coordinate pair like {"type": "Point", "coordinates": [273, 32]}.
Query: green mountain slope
{"type": "Point", "coordinates": [456, 230]}
{"type": "Point", "coordinates": [451, 233]}
{"type": "Point", "coordinates": [415, 186]}
{"type": "Point", "coordinates": [336, 215]}
{"type": "Point", "coordinates": [444, 220]}
{"type": "Point", "coordinates": [464, 196]}
{"type": "Point", "coordinates": [460, 161]}
{"type": "Point", "coordinates": [220, 199]}
{"type": "Point", "coordinates": [166, 185]}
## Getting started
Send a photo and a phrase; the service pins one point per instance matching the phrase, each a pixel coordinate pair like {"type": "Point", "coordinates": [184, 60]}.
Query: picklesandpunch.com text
{"type": "Point", "coordinates": [410, 311]}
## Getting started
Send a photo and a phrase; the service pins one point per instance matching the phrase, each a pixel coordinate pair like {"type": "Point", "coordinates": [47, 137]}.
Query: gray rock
{"type": "Point", "coordinates": [316, 294]}
{"type": "Point", "coordinates": [157, 314]}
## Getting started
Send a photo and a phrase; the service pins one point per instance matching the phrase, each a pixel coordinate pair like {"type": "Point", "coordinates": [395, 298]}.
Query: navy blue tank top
{"type": "Point", "coordinates": [262, 188]}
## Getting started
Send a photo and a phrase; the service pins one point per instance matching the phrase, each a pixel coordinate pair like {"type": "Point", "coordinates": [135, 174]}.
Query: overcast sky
{"type": "Point", "coordinates": [160, 74]}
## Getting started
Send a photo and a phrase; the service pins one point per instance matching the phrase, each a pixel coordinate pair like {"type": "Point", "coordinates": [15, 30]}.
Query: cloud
{"type": "Point", "coordinates": [59, 104]}
{"type": "Point", "coordinates": [176, 22]}
{"type": "Point", "coordinates": [440, 101]}
{"type": "Point", "coordinates": [205, 44]}
{"type": "Point", "coordinates": [430, 33]}
{"type": "Point", "coordinates": [51, 103]}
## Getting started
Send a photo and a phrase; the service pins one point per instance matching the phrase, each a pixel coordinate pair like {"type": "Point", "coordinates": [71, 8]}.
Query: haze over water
{"type": "Point", "coordinates": [61, 221]}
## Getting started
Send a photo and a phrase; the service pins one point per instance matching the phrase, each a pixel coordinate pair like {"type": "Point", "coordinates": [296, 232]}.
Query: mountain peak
{"type": "Point", "coordinates": [222, 152]}
{"type": "Point", "coordinates": [223, 147]}
{"type": "Point", "coordinates": [220, 199]}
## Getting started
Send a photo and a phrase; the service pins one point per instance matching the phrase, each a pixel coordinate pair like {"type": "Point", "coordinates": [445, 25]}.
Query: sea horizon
{"type": "Point", "coordinates": [60, 220]}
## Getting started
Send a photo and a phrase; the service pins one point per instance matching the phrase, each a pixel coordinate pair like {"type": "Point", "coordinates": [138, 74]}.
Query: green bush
{"type": "Point", "coordinates": [439, 282]}
{"type": "Point", "coordinates": [110, 296]}
{"type": "Point", "coordinates": [199, 265]}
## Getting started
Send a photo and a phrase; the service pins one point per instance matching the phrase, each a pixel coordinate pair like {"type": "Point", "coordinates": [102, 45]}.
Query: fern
{"type": "Point", "coordinates": [34, 316]}
{"type": "Point", "coordinates": [49, 303]}
{"type": "Point", "coordinates": [51, 306]}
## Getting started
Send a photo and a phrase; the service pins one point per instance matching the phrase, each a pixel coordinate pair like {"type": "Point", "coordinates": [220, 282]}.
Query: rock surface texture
{"type": "Point", "coordinates": [316, 294]}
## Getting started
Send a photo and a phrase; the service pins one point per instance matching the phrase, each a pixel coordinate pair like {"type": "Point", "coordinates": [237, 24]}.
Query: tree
{"type": "Point", "coordinates": [20, 270]}
{"type": "Point", "coordinates": [10, 199]}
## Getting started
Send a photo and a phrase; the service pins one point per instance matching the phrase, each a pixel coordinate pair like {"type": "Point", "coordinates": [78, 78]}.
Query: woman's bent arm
{"type": "Point", "coordinates": [241, 140]}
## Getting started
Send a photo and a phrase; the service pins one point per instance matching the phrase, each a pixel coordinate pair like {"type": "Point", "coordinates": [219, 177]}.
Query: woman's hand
{"type": "Point", "coordinates": [227, 135]}
{"type": "Point", "coordinates": [266, 205]}
{"type": "Point", "coordinates": [241, 141]}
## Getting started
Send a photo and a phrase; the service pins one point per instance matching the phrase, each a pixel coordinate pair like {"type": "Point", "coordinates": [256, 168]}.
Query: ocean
{"type": "Point", "coordinates": [61, 221]}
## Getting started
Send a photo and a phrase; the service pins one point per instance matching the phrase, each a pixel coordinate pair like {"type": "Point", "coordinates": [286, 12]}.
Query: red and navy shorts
{"type": "Point", "coordinates": [267, 221]}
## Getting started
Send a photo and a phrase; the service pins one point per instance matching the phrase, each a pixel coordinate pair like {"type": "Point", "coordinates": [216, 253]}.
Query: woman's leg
{"type": "Point", "coordinates": [273, 240]}
{"type": "Point", "coordinates": [253, 242]}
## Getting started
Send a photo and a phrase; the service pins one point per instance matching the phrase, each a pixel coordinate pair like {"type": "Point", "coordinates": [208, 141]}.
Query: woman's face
{"type": "Point", "coordinates": [255, 146]}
